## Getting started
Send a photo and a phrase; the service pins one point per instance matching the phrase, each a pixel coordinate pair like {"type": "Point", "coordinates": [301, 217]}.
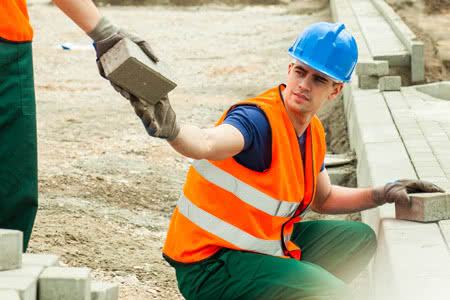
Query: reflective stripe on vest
{"type": "Point", "coordinates": [228, 232]}
{"type": "Point", "coordinates": [243, 191]}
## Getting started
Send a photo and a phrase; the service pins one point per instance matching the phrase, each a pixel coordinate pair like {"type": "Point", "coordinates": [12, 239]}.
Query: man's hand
{"type": "Point", "coordinates": [398, 191]}
{"type": "Point", "coordinates": [106, 35]}
{"type": "Point", "coordinates": [159, 120]}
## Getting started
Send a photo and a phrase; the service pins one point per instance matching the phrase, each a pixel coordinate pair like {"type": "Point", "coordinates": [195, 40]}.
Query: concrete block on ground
{"type": "Point", "coordinates": [9, 295]}
{"type": "Point", "coordinates": [372, 68]}
{"type": "Point", "coordinates": [25, 286]}
{"type": "Point", "coordinates": [128, 66]}
{"type": "Point", "coordinates": [25, 270]}
{"type": "Point", "coordinates": [46, 260]}
{"type": "Point", "coordinates": [390, 83]}
{"type": "Point", "coordinates": [417, 61]}
{"type": "Point", "coordinates": [11, 247]}
{"type": "Point", "coordinates": [104, 291]}
{"type": "Point", "coordinates": [425, 207]}
{"type": "Point", "coordinates": [368, 82]}
{"type": "Point", "coordinates": [65, 283]}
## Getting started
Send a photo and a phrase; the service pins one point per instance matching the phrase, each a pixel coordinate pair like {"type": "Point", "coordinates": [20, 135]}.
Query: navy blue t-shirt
{"type": "Point", "coordinates": [255, 127]}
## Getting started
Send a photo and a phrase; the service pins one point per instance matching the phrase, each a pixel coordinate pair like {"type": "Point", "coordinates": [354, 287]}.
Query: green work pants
{"type": "Point", "coordinates": [333, 253]}
{"type": "Point", "coordinates": [18, 146]}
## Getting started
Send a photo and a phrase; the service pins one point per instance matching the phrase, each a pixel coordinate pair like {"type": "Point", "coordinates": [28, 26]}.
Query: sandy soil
{"type": "Point", "coordinates": [106, 189]}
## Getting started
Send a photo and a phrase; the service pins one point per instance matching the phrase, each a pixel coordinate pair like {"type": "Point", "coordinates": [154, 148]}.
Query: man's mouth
{"type": "Point", "coordinates": [301, 96]}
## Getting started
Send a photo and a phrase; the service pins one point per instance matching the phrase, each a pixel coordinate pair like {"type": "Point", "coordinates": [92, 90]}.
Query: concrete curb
{"type": "Point", "coordinates": [407, 37]}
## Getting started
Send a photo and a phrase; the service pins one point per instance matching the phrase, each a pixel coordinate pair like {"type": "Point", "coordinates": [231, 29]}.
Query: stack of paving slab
{"type": "Point", "coordinates": [40, 276]}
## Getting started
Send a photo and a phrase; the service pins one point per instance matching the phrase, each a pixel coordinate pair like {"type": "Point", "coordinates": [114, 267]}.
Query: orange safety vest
{"type": "Point", "coordinates": [14, 21]}
{"type": "Point", "coordinates": [227, 205]}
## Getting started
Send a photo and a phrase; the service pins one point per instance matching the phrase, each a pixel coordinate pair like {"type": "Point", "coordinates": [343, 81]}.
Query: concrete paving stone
{"type": "Point", "coordinates": [104, 291]}
{"type": "Point", "coordinates": [367, 82]}
{"type": "Point", "coordinates": [65, 283]}
{"type": "Point", "coordinates": [372, 68]}
{"type": "Point", "coordinates": [390, 83]}
{"type": "Point", "coordinates": [417, 61]}
{"type": "Point", "coordinates": [46, 260]}
{"type": "Point", "coordinates": [382, 170]}
{"type": "Point", "coordinates": [25, 270]}
{"type": "Point", "coordinates": [425, 207]}
{"type": "Point", "coordinates": [25, 286]}
{"type": "Point", "coordinates": [422, 156]}
{"type": "Point", "coordinates": [429, 172]}
{"type": "Point", "coordinates": [420, 150]}
{"type": "Point", "coordinates": [9, 295]}
{"type": "Point", "coordinates": [444, 225]}
{"type": "Point", "coordinates": [431, 163]}
{"type": "Point", "coordinates": [11, 247]}
{"type": "Point", "coordinates": [396, 101]}
{"type": "Point", "coordinates": [128, 66]}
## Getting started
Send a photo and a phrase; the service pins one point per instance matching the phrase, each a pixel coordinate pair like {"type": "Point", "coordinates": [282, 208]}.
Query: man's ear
{"type": "Point", "coordinates": [337, 88]}
{"type": "Point", "coordinates": [291, 65]}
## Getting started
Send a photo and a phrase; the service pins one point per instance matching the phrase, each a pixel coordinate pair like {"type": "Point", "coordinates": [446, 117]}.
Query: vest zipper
{"type": "Point", "coordinates": [283, 244]}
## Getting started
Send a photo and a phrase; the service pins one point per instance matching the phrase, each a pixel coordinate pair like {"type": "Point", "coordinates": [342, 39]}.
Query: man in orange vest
{"type": "Point", "coordinates": [18, 151]}
{"type": "Point", "coordinates": [236, 232]}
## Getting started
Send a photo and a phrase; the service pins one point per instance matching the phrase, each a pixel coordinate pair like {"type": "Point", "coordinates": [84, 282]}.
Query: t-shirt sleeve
{"type": "Point", "coordinates": [254, 126]}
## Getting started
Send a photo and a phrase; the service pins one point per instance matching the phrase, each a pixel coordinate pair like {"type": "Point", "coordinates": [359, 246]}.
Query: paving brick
{"type": "Point", "coordinates": [390, 83]}
{"type": "Point", "coordinates": [367, 82]}
{"type": "Point", "coordinates": [25, 286]}
{"type": "Point", "coordinates": [104, 291]}
{"type": "Point", "coordinates": [372, 68]}
{"type": "Point", "coordinates": [425, 207]}
{"type": "Point", "coordinates": [9, 295]}
{"type": "Point", "coordinates": [11, 247]}
{"type": "Point", "coordinates": [65, 283]}
{"type": "Point", "coordinates": [25, 270]}
{"type": "Point", "coordinates": [46, 260]}
{"type": "Point", "coordinates": [127, 66]}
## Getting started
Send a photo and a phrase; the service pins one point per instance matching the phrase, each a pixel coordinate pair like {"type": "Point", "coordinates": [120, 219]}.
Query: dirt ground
{"type": "Point", "coordinates": [106, 189]}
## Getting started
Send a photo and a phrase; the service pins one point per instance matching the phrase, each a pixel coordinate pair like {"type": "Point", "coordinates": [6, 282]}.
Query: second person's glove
{"type": "Point", "coordinates": [106, 35]}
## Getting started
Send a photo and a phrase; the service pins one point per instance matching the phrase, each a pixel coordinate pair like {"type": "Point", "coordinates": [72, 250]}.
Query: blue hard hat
{"type": "Point", "coordinates": [327, 48]}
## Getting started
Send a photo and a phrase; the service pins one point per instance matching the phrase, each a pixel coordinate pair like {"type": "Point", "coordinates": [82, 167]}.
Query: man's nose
{"type": "Point", "coordinates": [305, 83]}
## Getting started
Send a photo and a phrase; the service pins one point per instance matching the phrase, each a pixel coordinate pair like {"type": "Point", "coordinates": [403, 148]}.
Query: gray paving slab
{"type": "Point", "coordinates": [45, 260]}
{"type": "Point", "coordinates": [25, 286]}
{"type": "Point", "coordinates": [104, 291]}
{"type": "Point", "coordinates": [368, 82]}
{"type": "Point", "coordinates": [65, 283]}
{"type": "Point", "coordinates": [372, 68]}
{"type": "Point", "coordinates": [128, 66]}
{"type": "Point", "coordinates": [9, 295]}
{"type": "Point", "coordinates": [25, 270]}
{"type": "Point", "coordinates": [424, 207]}
{"type": "Point", "coordinates": [11, 248]}
{"type": "Point", "coordinates": [390, 83]}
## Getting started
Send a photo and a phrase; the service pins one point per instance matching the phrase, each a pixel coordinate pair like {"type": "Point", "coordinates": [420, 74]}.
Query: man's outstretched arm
{"type": "Point", "coordinates": [333, 199]}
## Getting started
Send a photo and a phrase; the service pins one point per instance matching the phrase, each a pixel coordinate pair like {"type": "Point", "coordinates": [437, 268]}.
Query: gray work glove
{"type": "Point", "coordinates": [398, 191]}
{"type": "Point", "coordinates": [159, 119]}
{"type": "Point", "coordinates": [106, 35]}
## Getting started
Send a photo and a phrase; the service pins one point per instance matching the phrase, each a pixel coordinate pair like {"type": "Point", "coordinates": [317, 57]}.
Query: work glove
{"type": "Point", "coordinates": [398, 191]}
{"type": "Point", "coordinates": [159, 119]}
{"type": "Point", "coordinates": [106, 35]}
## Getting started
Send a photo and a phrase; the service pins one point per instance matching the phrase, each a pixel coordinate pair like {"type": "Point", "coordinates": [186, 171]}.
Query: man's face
{"type": "Point", "coordinates": [307, 89]}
